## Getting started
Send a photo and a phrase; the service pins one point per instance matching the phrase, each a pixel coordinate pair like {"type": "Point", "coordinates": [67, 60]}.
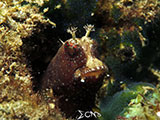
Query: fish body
{"type": "Point", "coordinates": [75, 74]}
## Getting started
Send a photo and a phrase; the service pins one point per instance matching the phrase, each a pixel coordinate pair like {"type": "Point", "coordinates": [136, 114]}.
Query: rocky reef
{"type": "Point", "coordinates": [130, 30]}
{"type": "Point", "coordinates": [18, 20]}
{"type": "Point", "coordinates": [127, 33]}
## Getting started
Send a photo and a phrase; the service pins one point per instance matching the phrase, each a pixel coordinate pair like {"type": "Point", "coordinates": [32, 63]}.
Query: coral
{"type": "Point", "coordinates": [127, 32]}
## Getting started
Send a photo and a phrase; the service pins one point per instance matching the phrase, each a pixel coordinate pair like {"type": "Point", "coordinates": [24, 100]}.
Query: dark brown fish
{"type": "Point", "coordinates": [75, 74]}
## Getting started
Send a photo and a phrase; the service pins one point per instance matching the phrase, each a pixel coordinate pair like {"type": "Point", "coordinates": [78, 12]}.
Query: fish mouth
{"type": "Point", "coordinates": [90, 74]}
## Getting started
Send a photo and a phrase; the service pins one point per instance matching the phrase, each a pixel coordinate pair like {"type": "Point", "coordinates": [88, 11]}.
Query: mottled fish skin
{"type": "Point", "coordinates": [75, 74]}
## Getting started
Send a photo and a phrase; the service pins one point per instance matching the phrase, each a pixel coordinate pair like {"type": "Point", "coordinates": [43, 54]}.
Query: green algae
{"type": "Point", "coordinates": [139, 101]}
{"type": "Point", "coordinates": [129, 34]}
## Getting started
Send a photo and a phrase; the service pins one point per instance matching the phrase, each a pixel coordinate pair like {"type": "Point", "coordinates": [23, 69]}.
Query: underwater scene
{"type": "Point", "coordinates": [79, 59]}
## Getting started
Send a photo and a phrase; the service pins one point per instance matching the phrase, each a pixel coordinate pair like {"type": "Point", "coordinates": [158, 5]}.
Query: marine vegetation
{"type": "Point", "coordinates": [130, 31]}
{"type": "Point", "coordinates": [18, 101]}
{"type": "Point", "coordinates": [32, 82]}
{"type": "Point", "coordinates": [139, 101]}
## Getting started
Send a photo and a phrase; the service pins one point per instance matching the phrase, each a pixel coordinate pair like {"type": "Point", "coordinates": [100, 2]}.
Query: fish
{"type": "Point", "coordinates": [75, 73]}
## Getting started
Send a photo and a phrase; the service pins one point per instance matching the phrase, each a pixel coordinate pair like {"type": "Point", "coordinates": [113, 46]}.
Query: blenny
{"type": "Point", "coordinates": [75, 74]}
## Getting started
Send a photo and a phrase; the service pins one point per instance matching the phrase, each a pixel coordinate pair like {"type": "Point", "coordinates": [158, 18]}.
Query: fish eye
{"type": "Point", "coordinates": [71, 49]}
